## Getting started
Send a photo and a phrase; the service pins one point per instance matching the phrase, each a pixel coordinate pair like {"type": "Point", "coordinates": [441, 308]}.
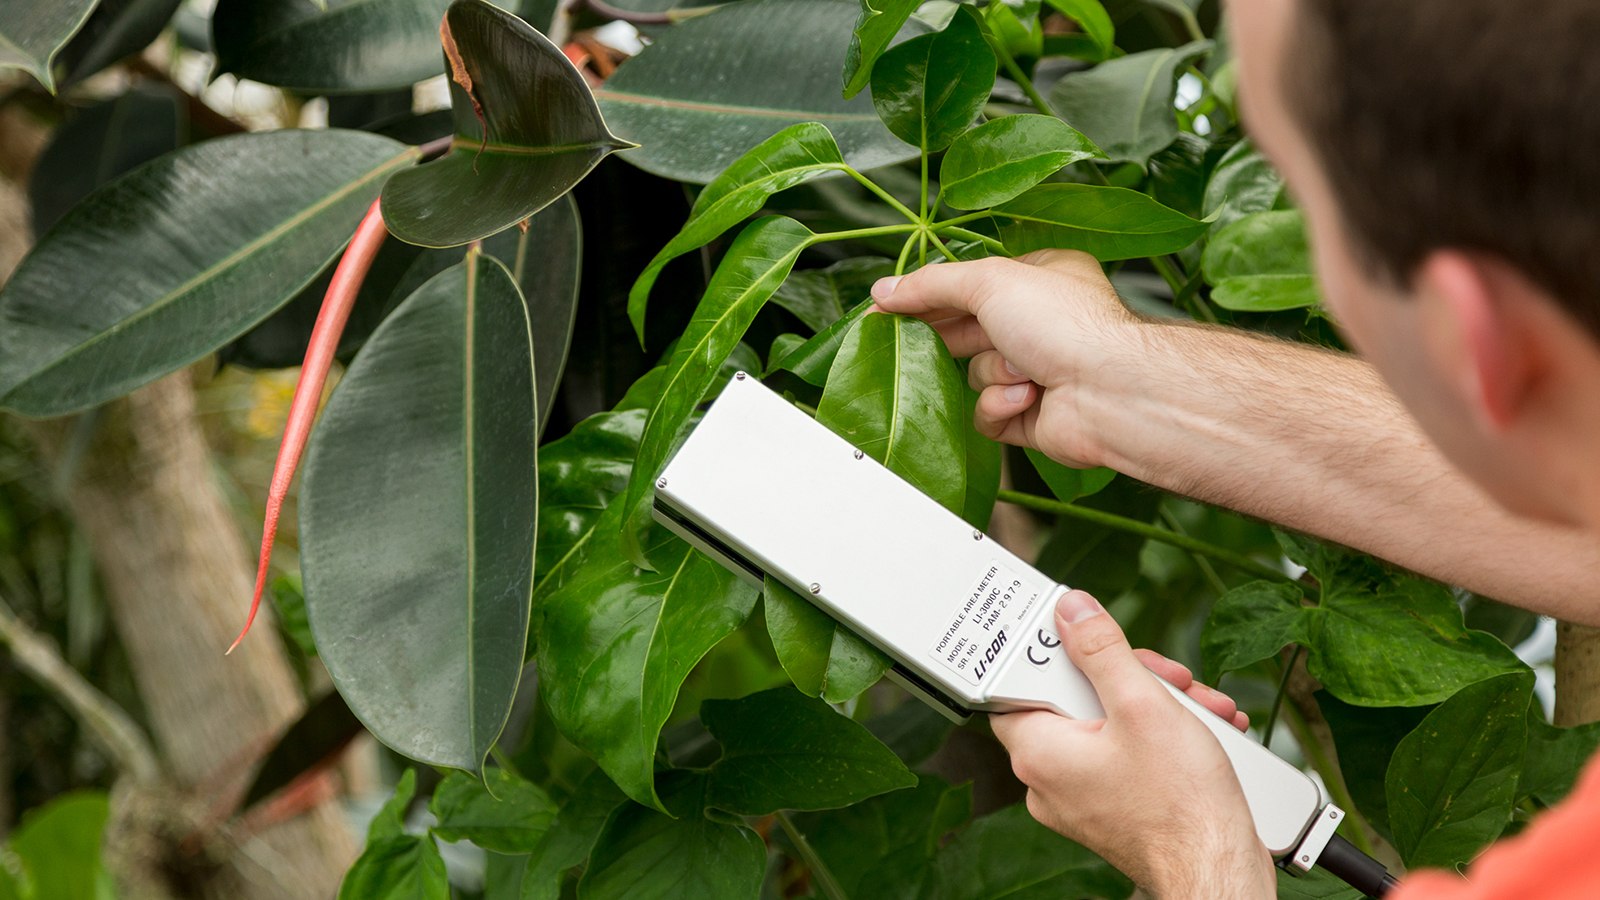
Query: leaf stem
{"type": "Point", "coordinates": [924, 192]}
{"type": "Point", "coordinates": [1122, 523]}
{"type": "Point", "coordinates": [934, 239]}
{"type": "Point", "coordinates": [959, 220]}
{"type": "Point", "coordinates": [1168, 274]}
{"type": "Point", "coordinates": [905, 254]}
{"type": "Point", "coordinates": [994, 246]}
{"type": "Point", "coordinates": [1190, 23]}
{"type": "Point", "coordinates": [887, 197]}
{"type": "Point", "coordinates": [1016, 73]}
{"type": "Point", "coordinates": [819, 870]}
{"type": "Point", "coordinates": [1205, 564]}
{"type": "Point", "coordinates": [853, 234]}
{"type": "Point", "coordinates": [1277, 700]}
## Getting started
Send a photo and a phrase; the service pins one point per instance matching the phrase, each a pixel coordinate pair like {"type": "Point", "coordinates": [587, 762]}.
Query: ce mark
{"type": "Point", "coordinates": [1049, 641]}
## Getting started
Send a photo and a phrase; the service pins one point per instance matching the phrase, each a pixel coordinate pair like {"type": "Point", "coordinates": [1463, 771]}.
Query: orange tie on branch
{"type": "Point", "coordinates": [336, 305]}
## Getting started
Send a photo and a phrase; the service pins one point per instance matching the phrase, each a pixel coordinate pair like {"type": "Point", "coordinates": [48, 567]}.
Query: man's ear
{"type": "Point", "coordinates": [1494, 365]}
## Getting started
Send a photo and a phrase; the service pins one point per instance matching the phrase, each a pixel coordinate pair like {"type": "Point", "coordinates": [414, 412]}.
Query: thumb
{"type": "Point", "coordinates": [1096, 645]}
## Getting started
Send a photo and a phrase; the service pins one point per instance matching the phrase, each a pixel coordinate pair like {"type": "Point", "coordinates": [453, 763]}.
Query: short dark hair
{"type": "Point", "coordinates": [1462, 124]}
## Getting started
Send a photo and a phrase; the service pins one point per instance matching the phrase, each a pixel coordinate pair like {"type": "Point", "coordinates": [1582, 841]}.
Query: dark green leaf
{"type": "Point", "coordinates": [314, 47]}
{"type": "Point", "coordinates": [1261, 264]}
{"type": "Point", "coordinates": [823, 658]}
{"type": "Point", "coordinates": [1178, 173]}
{"type": "Point", "coordinates": [984, 460]}
{"type": "Point", "coordinates": [1107, 222]}
{"type": "Point", "coordinates": [999, 160]}
{"type": "Point", "coordinates": [1316, 884]}
{"type": "Point", "coordinates": [618, 641]}
{"type": "Point", "coordinates": [755, 264]}
{"type": "Point", "coordinates": [1452, 781]}
{"type": "Point", "coordinates": [1093, 19]}
{"type": "Point", "coordinates": [527, 131]}
{"type": "Point", "coordinates": [1555, 758]}
{"type": "Point", "coordinates": [59, 844]}
{"type": "Point", "coordinates": [502, 812]}
{"type": "Point", "coordinates": [325, 728]}
{"type": "Point", "coordinates": [418, 517]}
{"type": "Point", "coordinates": [895, 392]}
{"type": "Point", "coordinates": [1007, 854]}
{"type": "Point", "coordinates": [117, 29]}
{"type": "Point", "coordinates": [100, 143]}
{"type": "Point", "coordinates": [1016, 27]}
{"type": "Point", "coordinates": [1126, 105]}
{"type": "Point", "coordinates": [571, 836]}
{"type": "Point", "coordinates": [1067, 483]}
{"type": "Point", "coordinates": [858, 841]}
{"type": "Point", "coordinates": [645, 855]}
{"type": "Point", "coordinates": [165, 264]}
{"type": "Point", "coordinates": [1242, 183]}
{"type": "Point", "coordinates": [1250, 623]}
{"type": "Point", "coordinates": [1103, 561]}
{"type": "Point", "coordinates": [797, 153]}
{"type": "Point", "coordinates": [1366, 738]}
{"type": "Point", "coordinates": [913, 730]}
{"type": "Point", "coordinates": [813, 359]}
{"type": "Point", "coordinates": [390, 822]}
{"type": "Point", "coordinates": [820, 297]}
{"type": "Point", "coordinates": [876, 26]}
{"type": "Point", "coordinates": [706, 91]}
{"type": "Point", "coordinates": [31, 33]}
{"type": "Point", "coordinates": [783, 750]}
{"type": "Point", "coordinates": [929, 89]}
{"type": "Point", "coordinates": [403, 868]}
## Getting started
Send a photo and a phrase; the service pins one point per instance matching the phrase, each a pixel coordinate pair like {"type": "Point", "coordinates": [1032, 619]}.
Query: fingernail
{"type": "Point", "coordinates": [1012, 369]}
{"type": "Point", "coordinates": [883, 287]}
{"type": "Point", "coordinates": [1075, 606]}
{"type": "Point", "coordinates": [1014, 393]}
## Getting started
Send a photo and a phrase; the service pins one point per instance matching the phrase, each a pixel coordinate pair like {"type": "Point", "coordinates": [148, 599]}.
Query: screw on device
{"type": "Point", "coordinates": [816, 588]}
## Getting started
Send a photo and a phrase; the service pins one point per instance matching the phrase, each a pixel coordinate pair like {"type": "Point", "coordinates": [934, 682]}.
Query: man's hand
{"type": "Point", "coordinates": [1148, 787]}
{"type": "Point", "coordinates": [1034, 327]}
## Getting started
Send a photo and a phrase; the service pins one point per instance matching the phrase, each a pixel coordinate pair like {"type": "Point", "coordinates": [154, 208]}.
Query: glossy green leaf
{"type": "Point", "coordinates": [999, 160]}
{"type": "Point", "coordinates": [1092, 17]}
{"type": "Point", "coordinates": [117, 29]}
{"type": "Point", "coordinates": [321, 47]}
{"type": "Point", "coordinates": [418, 517]}
{"type": "Point", "coordinates": [1555, 758]}
{"type": "Point", "coordinates": [618, 640]}
{"type": "Point", "coordinates": [1178, 173]}
{"type": "Point", "coordinates": [929, 89]}
{"type": "Point", "coordinates": [706, 91]}
{"type": "Point", "coordinates": [797, 153]}
{"type": "Point", "coordinates": [1242, 183]}
{"type": "Point", "coordinates": [1016, 27]}
{"type": "Point", "coordinates": [167, 263]}
{"type": "Point", "coordinates": [895, 392]}
{"type": "Point", "coordinates": [813, 359]}
{"type": "Point", "coordinates": [396, 865]}
{"type": "Point", "coordinates": [871, 847]}
{"type": "Point", "coordinates": [876, 26]}
{"type": "Point", "coordinates": [1108, 223]}
{"type": "Point", "coordinates": [756, 263]}
{"type": "Point", "coordinates": [1125, 105]}
{"type": "Point", "coordinates": [1366, 738]}
{"type": "Point", "coordinates": [783, 750]}
{"type": "Point", "coordinates": [59, 845]}
{"type": "Point", "coordinates": [984, 462]}
{"type": "Point", "coordinates": [527, 130]}
{"type": "Point", "coordinates": [501, 812]}
{"type": "Point", "coordinates": [1067, 483]}
{"type": "Point", "coordinates": [100, 143]}
{"type": "Point", "coordinates": [571, 837]}
{"type": "Point", "coordinates": [823, 658]}
{"type": "Point", "coordinates": [821, 297]}
{"type": "Point", "coordinates": [1261, 263]}
{"type": "Point", "coordinates": [1007, 854]}
{"type": "Point", "coordinates": [645, 855]}
{"type": "Point", "coordinates": [1250, 623]}
{"type": "Point", "coordinates": [1452, 781]}
{"type": "Point", "coordinates": [31, 33]}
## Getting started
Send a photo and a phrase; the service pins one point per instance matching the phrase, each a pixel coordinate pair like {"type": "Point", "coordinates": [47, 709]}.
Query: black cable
{"type": "Point", "coordinates": [1342, 860]}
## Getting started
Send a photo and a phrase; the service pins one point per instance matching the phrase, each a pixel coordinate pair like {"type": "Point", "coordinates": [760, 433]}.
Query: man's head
{"type": "Point", "coordinates": [1447, 155]}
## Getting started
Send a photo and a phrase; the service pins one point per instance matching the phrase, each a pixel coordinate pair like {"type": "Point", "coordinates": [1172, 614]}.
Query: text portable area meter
{"type": "Point", "coordinates": [766, 490]}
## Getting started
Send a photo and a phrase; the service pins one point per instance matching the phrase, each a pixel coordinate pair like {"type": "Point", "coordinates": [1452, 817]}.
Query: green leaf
{"type": "Point", "coordinates": [1250, 623]}
{"type": "Point", "coordinates": [823, 658]}
{"type": "Point", "coordinates": [418, 517]}
{"type": "Point", "coordinates": [999, 160]}
{"type": "Point", "coordinates": [895, 392]}
{"type": "Point", "coordinates": [645, 855]}
{"type": "Point", "coordinates": [783, 750]}
{"type": "Point", "coordinates": [1242, 183]}
{"type": "Point", "coordinates": [1261, 263]}
{"type": "Point", "coordinates": [100, 143]}
{"type": "Point", "coordinates": [821, 297]}
{"type": "Point", "coordinates": [1366, 738]}
{"type": "Point", "coordinates": [930, 89]}
{"type": "Point", "coordinates": [501, 812]}
{"type": "Point", "coordinates": [1109, 223]}
{"type": "Point", "coordinates": [59, 843]}
{"type": "Point", "coordinates": [1096, 558]}
{"type": "Point", "coordinates": [571, 836]}
{"type": "Point", "coordinates": [1007, 854]}
{"type": "Point", "coordinates": [1067, 483]}
{"type": "Point", "coordinates": [876, 26]}
{"type": "Point", "coordinates": [706, 91]}
{"type": "Point", "coordinates": [32, 33]}
{"type": "Point", "coordinates": [1316, 884]}
{"type": "Point", "coordinates": [618, 641]}
{"type": "Point", "coordinates": [1555, 758]}
{"type": "Point", "coordinates": [526, 132]}
{"type": "Point", "coordinates": [318, 47]}
{"type": "Point", "coordinates": [797, 153]}
{"type": "Point", "coordinates": [858, 843]}
{"type": "Point", "coordinates": [1016, 27]}
{"type": "Point", "coordinates": [813, 359]}
{"type": "Point", "coordinates": [403, 868]}
{"type": "Point", "coordinates": [1092, 17]}
{"type": "Point", "coordinates": [755, 264]}
{"type": "Point", "coordinates": [1126, 105]}
{"type": "Point", "coordinates": [290, 602]}
{"type": "Point", "coordinates": [117, 29]}
{"type": "Point", "coordinates": [390, 822]}
{"type": "Point", "coordinates": [1453, 780]}
{"type": "Point", "coordinates": [169, 262]}
{"type": "Point", "coordinates": [984, 463]}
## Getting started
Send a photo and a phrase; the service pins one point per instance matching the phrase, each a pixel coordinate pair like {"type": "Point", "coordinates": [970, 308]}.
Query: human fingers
{"type": "Point", "coordinates": [962, 334]}
{"type": "Point", "coordinates": [1173, 672]}
{"type": "Point", "coordinates": [989, 367]}
{"type": "Point", "coordinates": [999, 405]}
{"type": "Point", "coordinates": [1241, 721]}
{"type": "Point", "coordinates": [961, 285]}
{"type": "Point", "coordinates": [1178, 675]}
{"type": "Point", "coordinates": [1096, 645]}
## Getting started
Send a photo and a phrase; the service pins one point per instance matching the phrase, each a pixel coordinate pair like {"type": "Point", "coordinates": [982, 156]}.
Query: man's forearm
{"type": "Point", "coordinates": [1314, 441]}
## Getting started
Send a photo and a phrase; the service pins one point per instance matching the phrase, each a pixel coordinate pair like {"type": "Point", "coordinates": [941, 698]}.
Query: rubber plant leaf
{"type": "Point", "coordinates": [316, 47]}
{"type": "Point", "coordinates": [32, 33]}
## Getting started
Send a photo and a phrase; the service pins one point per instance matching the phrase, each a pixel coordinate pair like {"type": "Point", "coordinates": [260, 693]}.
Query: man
{"type": "Point", "coordinates": [1444, 152]}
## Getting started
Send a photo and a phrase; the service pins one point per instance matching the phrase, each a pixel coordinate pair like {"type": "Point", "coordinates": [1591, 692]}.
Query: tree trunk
{"type": "Point", "coordinates": [1577, 666]}
{"type": "Point", "coordinates": [177, 574]}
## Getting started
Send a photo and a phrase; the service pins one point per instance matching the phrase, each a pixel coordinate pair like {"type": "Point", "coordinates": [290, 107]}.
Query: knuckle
{"type": "Point", "coordinates": [1097, 635]}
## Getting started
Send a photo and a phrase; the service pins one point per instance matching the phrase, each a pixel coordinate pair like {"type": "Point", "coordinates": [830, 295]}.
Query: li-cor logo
{"type": "Point", "coordinates": [989, 654]}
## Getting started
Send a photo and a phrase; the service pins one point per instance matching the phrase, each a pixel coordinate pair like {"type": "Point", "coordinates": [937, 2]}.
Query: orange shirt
{"type": "Point", "coordinates": [1557, 857]}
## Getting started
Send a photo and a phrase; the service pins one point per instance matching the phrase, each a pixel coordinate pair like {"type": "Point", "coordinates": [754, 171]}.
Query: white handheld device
{"type": "Point", "coordinates": [767, 491]}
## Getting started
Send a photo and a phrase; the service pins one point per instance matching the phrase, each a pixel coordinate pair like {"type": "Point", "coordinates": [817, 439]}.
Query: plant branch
{"type": "Point", "coordinates": [111, 726]}
{"type": "Point", "coordinates": [905, 254]}
{"type": "Point", "coordinates": [1017, 75]}
{"type": "Point", "coordinates": [934, 239]}
{"type": "Point", "coordinates": [883, 195]}
{"type": "Point", "coordinates": [1122, 523]}
{"type": "Point", "coordinates": [959, 220]}
{"type": "Point", "coordinates": [819, 870]}
{"type": "Point", "coordinates": [1199, 560]}
{"type": "Point", "coordinates": [1277, 700]}
{"type": "Point", "coordinates": [1168, 274]}
{"type": "Point", "coordinates": [855, 233]}
{"type": "Point", "coordinates": [435, 148]}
